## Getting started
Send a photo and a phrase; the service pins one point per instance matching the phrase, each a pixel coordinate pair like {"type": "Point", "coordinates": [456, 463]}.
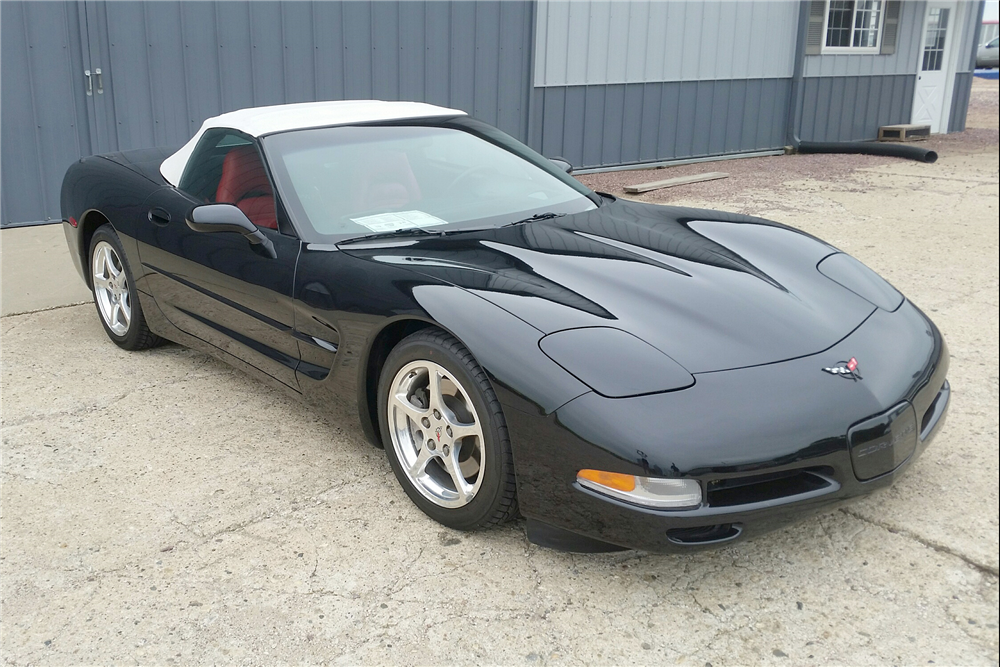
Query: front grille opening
{"type": "Point", "coordinates": [705, 534]}
{"type": "Point", "coordinates": [762, 488]}
{"type": "Point", "coordinates": [925, 421]}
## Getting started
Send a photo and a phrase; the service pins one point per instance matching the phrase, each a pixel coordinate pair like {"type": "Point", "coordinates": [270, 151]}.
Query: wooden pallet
{"type": "Point", "coordinates": [904, 132]}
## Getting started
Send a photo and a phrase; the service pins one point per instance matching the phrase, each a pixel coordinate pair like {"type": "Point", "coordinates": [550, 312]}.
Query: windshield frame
{"type": "Point", "coordinates": [484, 131]}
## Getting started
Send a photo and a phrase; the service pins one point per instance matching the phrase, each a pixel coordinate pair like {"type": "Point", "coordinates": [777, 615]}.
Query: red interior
{"type": "Point", "coordinates": [244, 182]}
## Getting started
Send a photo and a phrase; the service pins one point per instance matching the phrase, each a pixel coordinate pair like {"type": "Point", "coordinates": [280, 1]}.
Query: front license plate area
{"type": "Point", "coordinates": [881, 443]}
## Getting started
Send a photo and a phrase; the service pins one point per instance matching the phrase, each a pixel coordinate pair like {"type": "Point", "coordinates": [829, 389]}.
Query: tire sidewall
{"type": "Point", "coordinates": [484, 504]}
{"type": "Point", "coordinates": [107, 234]}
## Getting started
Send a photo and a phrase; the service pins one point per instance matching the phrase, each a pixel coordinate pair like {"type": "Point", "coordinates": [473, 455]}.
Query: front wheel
{"type": "Point", "coordinates": [445, 434]}
{"type": "Point", "coordinates": [115, 295]}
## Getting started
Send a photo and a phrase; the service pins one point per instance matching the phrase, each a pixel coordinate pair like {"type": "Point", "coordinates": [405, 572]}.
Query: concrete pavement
{"type": "Point", "coordinates": [162, 508]}
{"type": "Point", "coordinates": [36, 271]}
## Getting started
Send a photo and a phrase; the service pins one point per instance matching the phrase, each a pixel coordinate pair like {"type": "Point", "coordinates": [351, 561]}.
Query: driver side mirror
{"type": "Point", "coordinates": [562, 163]}
{"type": "Point", "coordinates": [213, 218]}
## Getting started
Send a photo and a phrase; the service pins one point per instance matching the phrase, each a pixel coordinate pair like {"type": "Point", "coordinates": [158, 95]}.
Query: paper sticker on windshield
{"type": "Point", "coordinates": [390, 222]}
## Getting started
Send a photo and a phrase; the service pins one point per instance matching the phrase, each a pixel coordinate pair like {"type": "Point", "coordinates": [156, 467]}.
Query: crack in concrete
{"type": "Point", "coordinates": [985, 568]}
{"type": "Point", "coordinates": [25, 478]}
{"type": "Point", "coordinates": [45, 310]}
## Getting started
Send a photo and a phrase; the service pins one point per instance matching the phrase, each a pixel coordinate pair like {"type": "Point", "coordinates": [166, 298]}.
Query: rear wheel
{"type": "Point", "coordinates": [445, 433]}
{"type": "Point", "coordinates": [115, 294]}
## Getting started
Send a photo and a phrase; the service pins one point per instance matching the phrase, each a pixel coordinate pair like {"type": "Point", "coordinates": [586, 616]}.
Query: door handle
{"type": "Point", "coordinates": [158, 217]}
{"type": "Point", "coordinates": [90, 82]}
{"type": "Point", "coordinates": [100, 81]}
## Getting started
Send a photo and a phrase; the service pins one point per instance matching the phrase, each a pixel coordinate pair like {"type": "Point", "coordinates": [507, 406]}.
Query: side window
{"type": "Point", "coordinates": [226, 168]}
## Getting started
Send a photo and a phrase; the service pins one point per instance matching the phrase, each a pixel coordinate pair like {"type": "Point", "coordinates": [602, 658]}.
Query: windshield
{"type": "Point", "coordinates": [343, 182]}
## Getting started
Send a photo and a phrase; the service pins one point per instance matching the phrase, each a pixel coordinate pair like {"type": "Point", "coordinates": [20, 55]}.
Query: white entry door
{"type": "Point", "coordinates": [932, 78]}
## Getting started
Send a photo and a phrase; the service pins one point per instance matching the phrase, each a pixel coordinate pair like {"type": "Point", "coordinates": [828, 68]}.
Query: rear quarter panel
{"type": "Point", "coordinates": [115, 191]}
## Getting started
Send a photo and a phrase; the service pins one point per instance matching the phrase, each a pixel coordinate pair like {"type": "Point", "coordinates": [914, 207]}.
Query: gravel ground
{"type": "Point", "coordinates": [750, 176]}
{"type": "Point", "coordinates": [162, 508]}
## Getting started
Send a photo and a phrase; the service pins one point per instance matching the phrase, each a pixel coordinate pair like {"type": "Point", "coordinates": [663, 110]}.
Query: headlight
{"type": "Point", "coordinates": [656, 492]}
{"type": "Point", "coordinates": [614, 363]}
{"type": "Point", "coordinates": [855, 276]}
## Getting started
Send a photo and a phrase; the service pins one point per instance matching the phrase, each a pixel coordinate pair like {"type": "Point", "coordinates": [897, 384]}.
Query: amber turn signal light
{"type": "Point", "coordinates": [612, 480]}
{"type": "Point", "coordinates": [656, 492]}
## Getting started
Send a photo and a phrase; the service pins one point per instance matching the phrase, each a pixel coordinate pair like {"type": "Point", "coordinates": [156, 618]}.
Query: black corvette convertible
{"type": "Point", "coordinates": [620, 374]}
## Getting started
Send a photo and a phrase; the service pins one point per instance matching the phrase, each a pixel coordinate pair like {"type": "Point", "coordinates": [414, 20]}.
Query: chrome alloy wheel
{"type": "Point", "coordinates": [111, 289]}
{"type": "Point", "coordinates": [436, 434]}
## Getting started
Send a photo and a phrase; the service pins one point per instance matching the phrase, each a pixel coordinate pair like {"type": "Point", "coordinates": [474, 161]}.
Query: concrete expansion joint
{"type": "Point", "coordinates": [985, 568]}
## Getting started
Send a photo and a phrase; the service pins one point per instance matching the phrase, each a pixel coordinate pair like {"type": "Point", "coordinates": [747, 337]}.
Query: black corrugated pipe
{"type": "Point", "coordinates": [869, 148]}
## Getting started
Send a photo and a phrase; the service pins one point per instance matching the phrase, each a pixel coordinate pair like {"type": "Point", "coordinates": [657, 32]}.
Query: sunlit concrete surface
{"type": "Point", "coordinates": [162, 508]}
{"type": "Point", "coordinates": [36, 271]}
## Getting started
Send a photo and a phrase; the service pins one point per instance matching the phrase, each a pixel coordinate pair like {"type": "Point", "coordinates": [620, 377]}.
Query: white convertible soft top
{"type": "Point", "coordinates": [258, 121]}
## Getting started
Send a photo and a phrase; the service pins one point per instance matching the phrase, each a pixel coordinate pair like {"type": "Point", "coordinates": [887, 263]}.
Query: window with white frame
{"type": "Point", "coordinates": [853, 26]}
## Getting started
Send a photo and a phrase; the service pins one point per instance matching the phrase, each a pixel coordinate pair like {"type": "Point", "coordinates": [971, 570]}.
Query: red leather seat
{"type": "Point", "coordinates": [244, 183]}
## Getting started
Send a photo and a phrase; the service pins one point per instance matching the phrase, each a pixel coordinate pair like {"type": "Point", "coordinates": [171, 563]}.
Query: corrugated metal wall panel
{"type": "Point", "coordinates": [960, 102]}
{"type": "Point", "coordinates": [847, 108]}
{"type": "Point", "coordinates": [594, 42]}
{"type": "Point", "coordinates": [169, 65]}
{"type": "Point", "coordinates": [191, 60]}
{"type": "Point", "coordinates": [45, 122]}
{"type": "Point", "coordinates": [972, 25]}
{"type": "Point", "coordinates": [595, 126]}
{"type": "Point", "coordinates": [903, 61]}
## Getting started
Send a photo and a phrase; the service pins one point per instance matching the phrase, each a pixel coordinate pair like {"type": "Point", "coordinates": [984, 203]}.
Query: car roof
{"type": "Point", "coordinates": [259, 121]}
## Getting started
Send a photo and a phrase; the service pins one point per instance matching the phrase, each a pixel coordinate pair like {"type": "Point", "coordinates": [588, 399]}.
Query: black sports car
{"type": "Point", "coordinates": [621, 374]}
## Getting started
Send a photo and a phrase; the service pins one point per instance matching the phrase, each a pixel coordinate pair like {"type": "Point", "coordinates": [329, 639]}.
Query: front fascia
{"type": "Point", "coordinates": [772, 418]}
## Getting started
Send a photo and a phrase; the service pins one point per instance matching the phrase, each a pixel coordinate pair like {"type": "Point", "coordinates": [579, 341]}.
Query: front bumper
{"type": "Point", "coordinates": [769, 445]}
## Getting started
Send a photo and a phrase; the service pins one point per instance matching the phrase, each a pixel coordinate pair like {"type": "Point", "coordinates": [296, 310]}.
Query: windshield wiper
{"type": "Point", "coordinates": [408, 231]}
{"type": "Point", "coordinates": [537, 216]}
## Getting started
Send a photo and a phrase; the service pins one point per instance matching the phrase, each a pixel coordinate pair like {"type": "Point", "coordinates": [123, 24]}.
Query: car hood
{"type": "Point", "coordinates": [712, 290]}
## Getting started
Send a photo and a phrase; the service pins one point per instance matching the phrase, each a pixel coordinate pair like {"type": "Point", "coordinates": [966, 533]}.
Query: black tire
{"type": "Point", "coordinates": [137, 335]}
{"type": "Point", "coordinates": [496, 500]}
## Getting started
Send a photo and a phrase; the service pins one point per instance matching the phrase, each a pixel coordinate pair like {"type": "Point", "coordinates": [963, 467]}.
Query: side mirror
{"type": "Point", "coordinates": [213, 218]}
{"type": "Point", "coordinates": [562, 163]}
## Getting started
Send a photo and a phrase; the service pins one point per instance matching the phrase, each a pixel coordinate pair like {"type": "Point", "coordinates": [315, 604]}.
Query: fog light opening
{"type": "Point", "coordinates": [656, 492]}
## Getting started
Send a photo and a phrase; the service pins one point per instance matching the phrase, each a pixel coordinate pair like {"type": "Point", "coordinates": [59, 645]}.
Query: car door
{"type": "Point", "coordinates": [217, 286]}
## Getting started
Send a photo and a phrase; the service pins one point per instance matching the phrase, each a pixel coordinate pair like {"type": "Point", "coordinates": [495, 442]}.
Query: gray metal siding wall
{"type": "Point", "coordinates": [971, 39]}
{"type": "Point", "coordinates": [42, 134]}
{"type": "Point", "coordinates": [471, 56]}
{"type": "Point", "coordinates": [903, 61]}
{"type": "Point", "coordinates": [608, 42]}
{"type": "Point", "coordinates": [852, 108]}
{"type": "Point", "coordinates": [593, 126]}
{"type": "Point", "coordinates": [847, 97]}
{"type": "Point", "coordinates": [630, 82]}
{"type": "Point", "coordinates": [960, 101]}
{"type": "Point", "coordinates": [169, 65]}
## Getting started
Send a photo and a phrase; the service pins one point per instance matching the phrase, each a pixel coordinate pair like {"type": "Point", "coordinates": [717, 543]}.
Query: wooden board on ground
{"type": "Point", "coordinates": [672, 182]}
